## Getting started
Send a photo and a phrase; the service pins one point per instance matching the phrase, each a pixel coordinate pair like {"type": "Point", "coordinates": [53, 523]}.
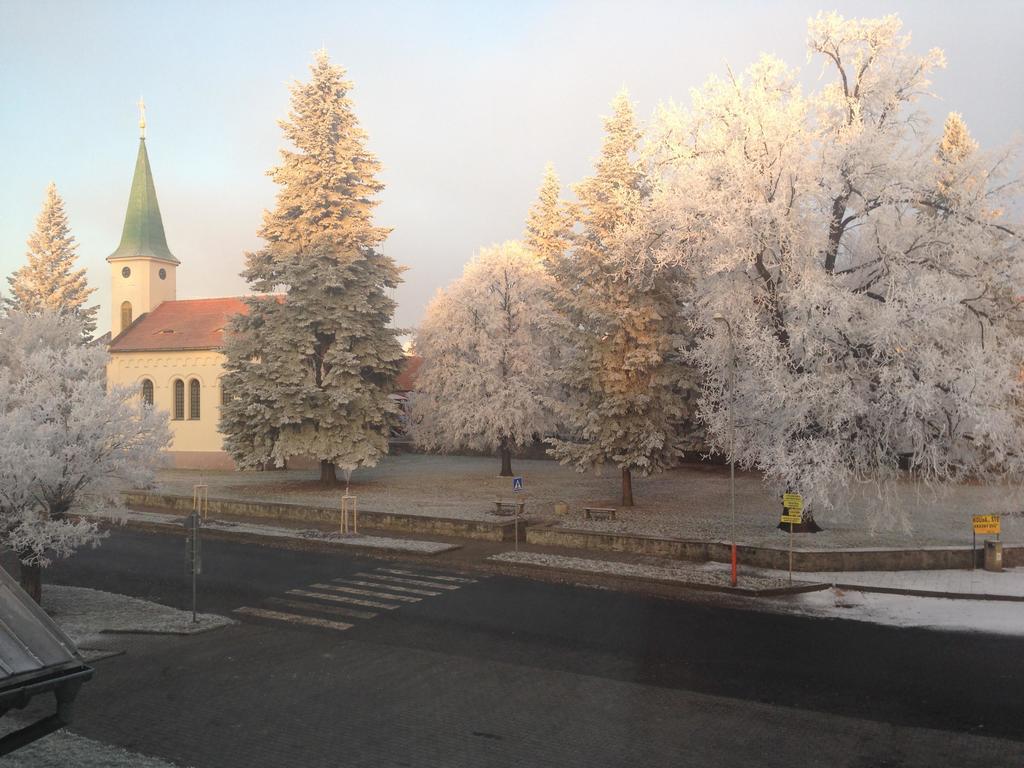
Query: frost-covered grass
{"type": "Point", "coordinates": [309, 534]}
{"type": "Point", "coordinates": [86, 614]}
{"type": "Point", "coordinates": [691, 502]}
{"type": "Point", "coordinates": [64, 750]}
{"type": "Point", "coordinates": [666, 571]}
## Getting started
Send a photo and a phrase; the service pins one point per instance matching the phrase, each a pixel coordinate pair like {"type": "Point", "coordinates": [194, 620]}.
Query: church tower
{"type": "Point", "coordinates": [142, 269]}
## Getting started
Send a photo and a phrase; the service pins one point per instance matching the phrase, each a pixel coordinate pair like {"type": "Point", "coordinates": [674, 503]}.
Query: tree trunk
{"type": "Point", "coordinates": [506, 458]}
{"type": "Point", "coordinates": [627, 487]}
{"type": "Point", "coordinates": [327, 474]}
{"type": "Point", "coordinates": [32, 581]}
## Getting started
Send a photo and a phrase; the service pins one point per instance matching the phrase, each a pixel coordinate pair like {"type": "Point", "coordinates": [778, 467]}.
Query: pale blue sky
{"type": "Point", "coordinates": [464, 102]}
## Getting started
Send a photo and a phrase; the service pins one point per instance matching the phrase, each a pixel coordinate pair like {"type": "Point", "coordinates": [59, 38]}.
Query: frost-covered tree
{"type": "Point", "coordinates": [71, 442]}
{"type": "Point", "coordinates": [310, 371]}
{"type": "Point", "coordinates": [49, 281]}
{"type": "Point", "coordinates": [624, 372]}
{"type": "Point", "coordinates": [549, 221]}
{"type": "Point", "coordinates": [487, 380]}
{"type": "Point", "coordinates": [866, 276]}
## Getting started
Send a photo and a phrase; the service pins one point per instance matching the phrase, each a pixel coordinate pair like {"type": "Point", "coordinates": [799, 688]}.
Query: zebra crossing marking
{"type": "Point", "coordinates": [414, 582]}
{"type": "Point", "coordinates": [293, 618]}
{"type": "Point", "coordinates": [400, 572]}
{"type": "Point", "coordinates": [343, 599]}
{"type": "Point", "coordinates": [367, 593]}
{"type": "Point", "coordinates": [332, 610]}
{"type": "Point", "coordinates": [390, 587]}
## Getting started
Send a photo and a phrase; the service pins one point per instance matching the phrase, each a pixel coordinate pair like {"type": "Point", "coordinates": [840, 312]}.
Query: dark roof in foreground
{"type": "Point", "coordinates": [31, 644]}
{"type": "Point", "coordinates": [180, 325]}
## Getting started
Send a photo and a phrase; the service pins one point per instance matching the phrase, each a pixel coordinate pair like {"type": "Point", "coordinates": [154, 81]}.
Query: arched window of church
{"type": "Point", "coordinates": [126, 314]}
{"type": "Point", "coordinates": [179, 399]}
{"type": "Point", "coordinates": [193, 399]}
{"type": "Point", "coordinates": [147, 392]}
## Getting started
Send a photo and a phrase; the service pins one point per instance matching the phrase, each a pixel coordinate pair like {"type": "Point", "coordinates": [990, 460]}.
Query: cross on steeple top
{"type": "Point", "coordinates": [142, 118]}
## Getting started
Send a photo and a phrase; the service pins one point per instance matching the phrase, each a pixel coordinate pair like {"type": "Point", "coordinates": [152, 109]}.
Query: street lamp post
{"type": "Point", "coordinates": [732, 440]}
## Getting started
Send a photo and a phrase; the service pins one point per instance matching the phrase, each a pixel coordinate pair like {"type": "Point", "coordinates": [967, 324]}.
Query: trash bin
{"type": "Point", "coordinates": [993, 555]}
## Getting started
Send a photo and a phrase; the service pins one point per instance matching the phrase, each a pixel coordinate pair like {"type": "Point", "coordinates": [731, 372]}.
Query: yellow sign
{"type": "Point", "coordinates": [986, 523]}
{"type": "Point", "coordinates": [796, 518]}
{"type": "Point", "coordinates": [793, 502]}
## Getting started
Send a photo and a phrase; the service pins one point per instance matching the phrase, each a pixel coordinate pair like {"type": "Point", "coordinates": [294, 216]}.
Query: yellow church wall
{"type": "Point", "coordinates": [196, 443]}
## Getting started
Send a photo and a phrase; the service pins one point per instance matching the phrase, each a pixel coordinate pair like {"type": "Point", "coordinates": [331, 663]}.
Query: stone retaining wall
{"type": "Point", "coordinates": [919, 559]}
{"type": "Point", "coordinates": [439, 526]}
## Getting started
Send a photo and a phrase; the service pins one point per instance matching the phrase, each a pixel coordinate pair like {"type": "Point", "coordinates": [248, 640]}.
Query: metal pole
{"type": "Point", "coordinates": [517, 527]}
{"type": "Point", "coordinates": [732, 453]}
{"type": "Point", "coordinates": [195, 554]}
{"type": "Point", "coordinates": [732, 441]}
{"type": "Point", "coordinates": [790, 552]}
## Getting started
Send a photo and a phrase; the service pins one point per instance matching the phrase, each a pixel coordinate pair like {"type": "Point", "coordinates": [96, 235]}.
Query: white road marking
{"type": "Point", "coordinates": [399, 572]}
{"type": "Point", "coordinates": [414, 582]}
{"type": "Point", "coordinates": [293, 618]}
{"type": "Point", "coordinates": [391, 587]}
{"type": "Point", "coordinates": [367, 593]}
{"type": "Point", "coordinates": [333, 610]}
{"type": "Point", "coordinates": [342, 599]}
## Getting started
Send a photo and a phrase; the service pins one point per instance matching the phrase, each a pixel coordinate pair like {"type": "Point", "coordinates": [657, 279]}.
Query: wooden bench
{"type": "Point", "coordinates": [598, 513]}
{"type": "Point", "coordinates": [509, 507]}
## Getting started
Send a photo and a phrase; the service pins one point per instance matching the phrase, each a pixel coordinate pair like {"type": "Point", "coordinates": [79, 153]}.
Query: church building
{"type": "Point", "coordinates": [169, 349]}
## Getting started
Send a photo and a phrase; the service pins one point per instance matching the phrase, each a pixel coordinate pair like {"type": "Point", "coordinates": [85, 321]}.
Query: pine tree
{"type": "Point", "coordinates": [549, 223]}
{"type": "Point", "coordinates": [310, 371]}
{"type": "Point", "coordinates": [624, 373]}
{"type": "Point", "coordinates": [49, 280]}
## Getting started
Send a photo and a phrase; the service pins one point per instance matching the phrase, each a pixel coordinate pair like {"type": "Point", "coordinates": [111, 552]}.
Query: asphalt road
{"type": "Point", "coordinates": [503, 671]}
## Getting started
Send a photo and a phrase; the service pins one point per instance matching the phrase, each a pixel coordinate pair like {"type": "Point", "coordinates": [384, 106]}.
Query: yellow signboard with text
{"type": "Point", "coordinates": [985, 523]}
{"type": "Point", "coordinates": [793, 502]}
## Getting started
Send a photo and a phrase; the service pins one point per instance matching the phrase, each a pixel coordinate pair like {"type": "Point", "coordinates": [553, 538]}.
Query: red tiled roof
{"type": "Point", "coordinates": [406, 380]}
{"type": "Point", "coordinates": [188, 324]}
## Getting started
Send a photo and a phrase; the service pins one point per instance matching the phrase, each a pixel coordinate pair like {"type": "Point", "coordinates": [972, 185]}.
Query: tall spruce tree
{"type": "Point", "coordinates": [49, 281]}
{"type": "Point", "coordinates": [549, 222]}
{"type": "Point", "coordinates": [624, 373]}
{"type": "Point", "coordinates": [311, 367]}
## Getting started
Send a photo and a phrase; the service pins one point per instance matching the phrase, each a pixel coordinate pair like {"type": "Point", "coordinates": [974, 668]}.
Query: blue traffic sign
{"type": "Point", "coordinates": [517, 484]}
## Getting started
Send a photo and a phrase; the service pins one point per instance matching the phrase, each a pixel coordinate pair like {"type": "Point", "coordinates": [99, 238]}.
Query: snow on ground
{"type": "Point", "coordinates": [275, 531]}
{"type": "Point", "coordinates": [668, 571]}
{"type": "Point", "coordinates": [86, 614]}
{"type": "Point", "coordinates": [691, 502]}
{"type": "Point", "coordinates": [1006, 583]}
{"type": "Point", "coordinates": [66, 750]}
{"type": "Point", "coordinates": [989, 616]}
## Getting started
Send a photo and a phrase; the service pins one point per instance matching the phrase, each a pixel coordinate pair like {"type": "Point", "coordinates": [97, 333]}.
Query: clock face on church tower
{"type": "Point", "coordinates": [126, 272]}
{"type": "Point", "coordinates": [163, 273]}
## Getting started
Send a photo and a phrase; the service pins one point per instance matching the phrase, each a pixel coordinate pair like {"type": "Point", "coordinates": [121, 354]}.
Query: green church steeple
{"type": "Point", "coordinates": [143, 233]}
